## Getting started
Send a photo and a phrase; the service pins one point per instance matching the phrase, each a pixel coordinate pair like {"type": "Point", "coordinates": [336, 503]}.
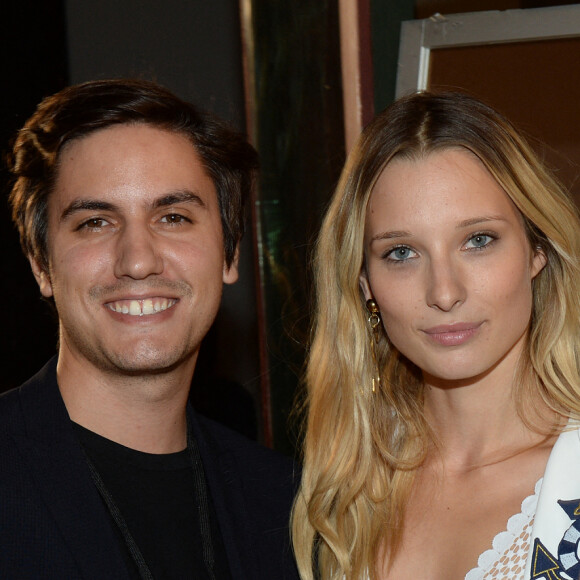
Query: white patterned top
{"type": "Point", "coordinates": [507, 558]}
{"type": "Point", "coordinates": [543, 541]}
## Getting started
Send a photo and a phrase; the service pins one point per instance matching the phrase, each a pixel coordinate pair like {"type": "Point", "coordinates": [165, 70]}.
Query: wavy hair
{"type": "Point", "coordinates": [361, 449]}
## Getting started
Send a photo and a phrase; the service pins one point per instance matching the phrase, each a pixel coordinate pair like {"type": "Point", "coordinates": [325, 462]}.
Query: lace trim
{"type": "Point", "coordinates": [510, 548]}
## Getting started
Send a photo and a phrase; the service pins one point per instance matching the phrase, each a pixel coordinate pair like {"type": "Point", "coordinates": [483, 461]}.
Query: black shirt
{"type": "Point", "coordinates": [157, 499]}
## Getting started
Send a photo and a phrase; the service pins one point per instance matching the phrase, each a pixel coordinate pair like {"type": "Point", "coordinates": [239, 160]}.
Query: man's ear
{"type": "Point", "coordinates": [230, 274]}
{"type": "Point", "coordinates": [364, 284]}
{"type": "Point", "coordinates": [42, 277]}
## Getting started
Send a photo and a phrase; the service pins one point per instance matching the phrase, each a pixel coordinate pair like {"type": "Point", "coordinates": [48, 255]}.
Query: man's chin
{"type": "Point", "coordinates": [143, 364]}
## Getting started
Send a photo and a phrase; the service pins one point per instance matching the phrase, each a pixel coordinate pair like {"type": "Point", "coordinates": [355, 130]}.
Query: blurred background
{"type": "Point", "coordinates": [300, 78]}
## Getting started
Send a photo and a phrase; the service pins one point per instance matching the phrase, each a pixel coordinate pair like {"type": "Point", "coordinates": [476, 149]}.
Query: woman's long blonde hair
{"type": "Point", "coordinates": [361, 448]}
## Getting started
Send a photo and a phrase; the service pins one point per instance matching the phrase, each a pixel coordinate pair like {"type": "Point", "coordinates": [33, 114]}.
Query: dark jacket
{"type": "Point", "coordinates": [53, 523]}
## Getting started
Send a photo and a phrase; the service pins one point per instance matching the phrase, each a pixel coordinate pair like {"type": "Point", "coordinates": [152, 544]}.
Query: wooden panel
{"type": "Point", "coordinates": [536, 84]}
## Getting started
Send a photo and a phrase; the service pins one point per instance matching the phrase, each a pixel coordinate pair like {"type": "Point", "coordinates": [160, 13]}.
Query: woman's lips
{"type": "Point", "coordinates": [453, 334]}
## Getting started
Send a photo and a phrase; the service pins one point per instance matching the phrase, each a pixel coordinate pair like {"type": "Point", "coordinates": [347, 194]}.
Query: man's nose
{"type": "Point", "coordinates": [137, 253]}
{"type": "Point", "coordinates": [445, 284]}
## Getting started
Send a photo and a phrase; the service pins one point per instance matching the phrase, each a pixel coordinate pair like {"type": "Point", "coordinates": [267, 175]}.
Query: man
{"type": "Point", "coordinates": [129, 204]}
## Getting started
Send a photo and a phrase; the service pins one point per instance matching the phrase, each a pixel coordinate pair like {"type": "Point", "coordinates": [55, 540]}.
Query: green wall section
{"type": "Point", "coordinates": [299, 134]}
{"type": "Point", "coordinates": [386, 18]}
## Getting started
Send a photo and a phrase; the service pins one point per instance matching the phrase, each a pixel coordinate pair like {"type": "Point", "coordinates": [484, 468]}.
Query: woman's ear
{"type": "Point", "coordinates": [539, 260]}
{"type": "Point", "coordinates": [364, 284]}
{"type": "Point", "coordinates": [42, 277]}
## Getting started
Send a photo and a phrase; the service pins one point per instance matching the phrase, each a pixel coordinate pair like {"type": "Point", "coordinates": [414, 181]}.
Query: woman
{"type": "Point", "coordinates": [444, 365]}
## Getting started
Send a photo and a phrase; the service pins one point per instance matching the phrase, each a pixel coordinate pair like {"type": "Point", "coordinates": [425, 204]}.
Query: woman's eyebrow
{"type": "Point", "coordinates": [390, 235]}
{"type": "Point", "coordinates": [394, 234]}
{"type": "Point", "coordinates": [479, 220]}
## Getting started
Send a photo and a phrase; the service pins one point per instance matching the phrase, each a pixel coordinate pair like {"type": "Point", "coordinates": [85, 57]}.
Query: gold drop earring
{"type": "Point", "coordinates": [374, 321]}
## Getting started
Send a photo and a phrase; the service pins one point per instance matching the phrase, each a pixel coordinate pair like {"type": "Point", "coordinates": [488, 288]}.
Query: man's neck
{"type": "Point", "coordinates": [145, 413]}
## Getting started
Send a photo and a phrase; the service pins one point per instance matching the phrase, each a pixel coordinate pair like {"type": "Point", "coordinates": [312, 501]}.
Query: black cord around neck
{"type": "Point", "coordinates": [203, 511]}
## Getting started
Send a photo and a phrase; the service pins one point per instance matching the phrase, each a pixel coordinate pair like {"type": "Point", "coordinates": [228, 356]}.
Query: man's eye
{"type": "Point", "coordinates": [93, 224]}
{"type": "Point", "coordinates": [174, 218]}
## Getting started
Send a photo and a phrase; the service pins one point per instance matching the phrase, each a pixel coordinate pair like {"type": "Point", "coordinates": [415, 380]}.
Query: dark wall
{"type": "Point", "coordinates": [191, 46]}
{"type": "Point", "coordinates": [34, 64]}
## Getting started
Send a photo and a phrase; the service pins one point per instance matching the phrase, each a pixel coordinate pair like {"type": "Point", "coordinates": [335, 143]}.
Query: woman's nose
{"type": "Point", "coordinates": [445, 285]}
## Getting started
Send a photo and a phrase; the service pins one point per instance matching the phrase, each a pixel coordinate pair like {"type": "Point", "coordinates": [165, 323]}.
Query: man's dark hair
{"type": "Point", "coordinates": [78, 111]}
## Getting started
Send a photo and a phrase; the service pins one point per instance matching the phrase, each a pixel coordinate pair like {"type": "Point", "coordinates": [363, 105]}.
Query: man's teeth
{"type": "Point", "coordinates": [141, 307]}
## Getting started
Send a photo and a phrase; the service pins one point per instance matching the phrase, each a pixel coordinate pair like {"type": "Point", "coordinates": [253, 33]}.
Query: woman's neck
{"type": "Point", "coordinates": [476, 423]}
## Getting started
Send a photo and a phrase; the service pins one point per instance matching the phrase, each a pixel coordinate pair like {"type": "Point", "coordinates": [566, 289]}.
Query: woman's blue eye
{"type": "Point", "coordinates": [400, 254]}
{"type": "Point", "coordinates": [479, 241]}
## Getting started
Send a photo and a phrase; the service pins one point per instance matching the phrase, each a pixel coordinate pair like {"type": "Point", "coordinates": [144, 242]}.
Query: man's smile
{"type": "Point", "coordinates": [141, 307]}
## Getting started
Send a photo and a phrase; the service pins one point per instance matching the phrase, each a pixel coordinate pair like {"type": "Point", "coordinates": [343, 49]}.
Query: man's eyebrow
{"type": "Point", "coordinates": [167, 200]}
{"type": "Point", "coordinates": [86, 205]}
{"type": "Point", "coordinates": [181, 196]}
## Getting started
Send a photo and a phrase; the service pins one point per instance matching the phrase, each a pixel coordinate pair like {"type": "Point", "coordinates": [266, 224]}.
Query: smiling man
{"type": "Point", "coordinates": [129, 204]}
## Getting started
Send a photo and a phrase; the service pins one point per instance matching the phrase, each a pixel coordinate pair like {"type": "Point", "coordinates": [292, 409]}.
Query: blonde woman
{"type": "Point", "coordinates": [443, 378]}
